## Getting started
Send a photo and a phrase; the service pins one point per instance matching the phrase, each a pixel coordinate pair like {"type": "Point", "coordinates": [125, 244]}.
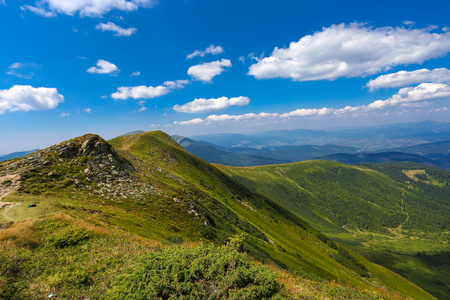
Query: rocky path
{"type": "Point", "coordinates": [8, 184]}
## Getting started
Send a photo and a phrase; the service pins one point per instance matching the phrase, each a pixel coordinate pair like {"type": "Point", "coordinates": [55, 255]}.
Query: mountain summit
{"type": "Point", "coordinates": [135, 192]}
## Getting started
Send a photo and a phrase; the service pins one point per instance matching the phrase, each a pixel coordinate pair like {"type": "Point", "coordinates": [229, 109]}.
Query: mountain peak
{"type": "Point", "coordinates": [76, 164]}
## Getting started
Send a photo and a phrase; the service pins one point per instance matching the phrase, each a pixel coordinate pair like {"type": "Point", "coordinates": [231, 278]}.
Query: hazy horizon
{"type": "Point", "coordinates": [202, 67]}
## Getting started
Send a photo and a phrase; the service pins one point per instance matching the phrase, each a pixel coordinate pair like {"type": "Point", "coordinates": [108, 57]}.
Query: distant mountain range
{"type": "Point", "coordinates": [214, 155]}
{"type": "Point", "coordinates": [101, 208]}
{"type": "Point", "coordinates": [381, 157]}
{"type": "Point", "coordinates": [426, 142]}
{"type": "Point", "coordinates": [366, 138]}
{"type": "Point", "coordinates": [15, 155]}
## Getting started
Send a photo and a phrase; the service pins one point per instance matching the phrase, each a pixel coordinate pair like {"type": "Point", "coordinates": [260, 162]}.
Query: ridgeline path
{"type": "Point", "coordinates": [8, 184]}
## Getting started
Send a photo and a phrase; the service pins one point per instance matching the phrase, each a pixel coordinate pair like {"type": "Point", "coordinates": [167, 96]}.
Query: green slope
{"type": "Point", "coordinates": [398, 210]}
{"type": "Point", "coordinates": [98, 212]}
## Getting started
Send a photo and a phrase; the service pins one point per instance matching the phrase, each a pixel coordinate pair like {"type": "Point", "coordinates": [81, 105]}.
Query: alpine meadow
{"type": "Point", "coordinates": [167, 149]}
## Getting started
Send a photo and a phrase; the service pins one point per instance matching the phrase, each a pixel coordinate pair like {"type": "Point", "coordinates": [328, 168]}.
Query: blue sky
{"type": "Point", "coordinates": [193, 67]}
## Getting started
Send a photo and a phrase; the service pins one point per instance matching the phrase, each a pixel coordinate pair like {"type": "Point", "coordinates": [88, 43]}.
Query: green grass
{"type": "Point", "coordinates": [379, 208]}
{"type": "Point", "coordinates": [191, 200]}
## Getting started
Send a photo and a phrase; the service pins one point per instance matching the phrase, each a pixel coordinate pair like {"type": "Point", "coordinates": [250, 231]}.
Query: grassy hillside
{"type": "Point", "coordinates": [101, 211]}
{"type": "Point", "coordinates": [402, 210]}
{"type": "Point", "coordinates": [380, 157]}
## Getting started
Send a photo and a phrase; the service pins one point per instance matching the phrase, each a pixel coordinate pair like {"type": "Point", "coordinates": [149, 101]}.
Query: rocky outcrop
{"type": "Point", "coordinates": [84, 163]}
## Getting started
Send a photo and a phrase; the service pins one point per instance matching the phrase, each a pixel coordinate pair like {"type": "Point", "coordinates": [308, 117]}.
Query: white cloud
{"type": "Point", "coordinates": [142, 109]}
{"type": "Point", "coordinates": [405, 78]}
{"type": "Point", "coordinates": [351, 51]}
{"type": "Point", "coordinates": [87, 110]}
{"type": "Point", "coordinates": [214, 50]}
{"type": "Point", "coordinates": [190, 122]}
{"type": "Point", "coordinates": [103, 67]}
{"type": "Point", "coordinates": [22, 70]}
{"type": "Point", "coordinates": [119, 31]}
{"type": "Point", "coordinates": [205, 72]}
{"type": "Point", "coordinates": [409, 97]}
{"type": "Point", "coordinates": [438, 110]}
{"type": "Point", "coordinates": [134, 74]}
{"type": "Point", "coordinates": [208, 105]}
{"type": "Point", "coordinates": [64, 115]}
{"type": "Point", "coordinates": [39, 11]}
{"type": "Point", "coordinates": [86, 8]}
{"type": "Point", "coordinates": [26, 98]}
{"type": "Point", "coordinates": [408, 23]}
{"type": "Point", "coordinates": [147, 92]}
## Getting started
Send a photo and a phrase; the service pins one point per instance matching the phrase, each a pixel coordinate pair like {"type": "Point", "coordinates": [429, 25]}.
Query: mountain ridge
{"type": "Point", "coordinates": [148, 187]}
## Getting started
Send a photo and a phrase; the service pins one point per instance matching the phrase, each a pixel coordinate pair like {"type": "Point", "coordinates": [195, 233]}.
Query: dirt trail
{"type": "Point", "coordinates": [403, 211]}
{"type": "Point", "coordinates": [8, 184]}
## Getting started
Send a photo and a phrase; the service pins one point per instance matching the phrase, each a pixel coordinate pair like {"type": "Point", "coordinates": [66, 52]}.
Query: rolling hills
{"type": "Point", "coordinates": [394, 211]}
{"type": "Point", "coordinates": [380, 157]}
{"type": "Point", "coordinates": [212, 154]}
{"type": "Point", "coordinates": [366, 138]}
{"type": "Point", "coordinates": [102, 207]}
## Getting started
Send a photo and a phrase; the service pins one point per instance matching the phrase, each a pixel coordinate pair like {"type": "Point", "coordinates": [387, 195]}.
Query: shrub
{"type": "Point", "coordinates": [77, 278]}
{"type": "Point", "coordinates": [68, 237]}
{"type": "Point", "coordinates": [175, 239]}
{"type": "Point", "coordinates": [208, 272]}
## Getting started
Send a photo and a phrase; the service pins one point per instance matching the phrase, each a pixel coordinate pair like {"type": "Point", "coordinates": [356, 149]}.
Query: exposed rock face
{"type": "Point", "coordinates": [85, 163]}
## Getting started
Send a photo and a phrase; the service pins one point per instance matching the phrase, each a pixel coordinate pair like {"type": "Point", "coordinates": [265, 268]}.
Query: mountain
{"type": "Point", "coordinates": [15, 155]}
{"type": "Point", "coordinates": [90, 218]}
{"type": "Point", "coordinates": [380, 157]}
{"type": "Point", "coordinates": [439, 152]}
{"type": "Point", "coordinates": [290, 153]}
{"type": "Point", "coordinates": [133, 132]}
{"type": "Point", "coordinates": [396, 214]}
{"type": "Point", "coordinates": [367, 138]}
{"type": "Point", "coordinates": [213, 155]}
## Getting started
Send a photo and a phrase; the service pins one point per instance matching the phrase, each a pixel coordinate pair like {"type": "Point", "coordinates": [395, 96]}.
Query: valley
{"type": "Point", "coordinates": [101, 207]}
{"type": "Point", "coordinates": [398, 211]}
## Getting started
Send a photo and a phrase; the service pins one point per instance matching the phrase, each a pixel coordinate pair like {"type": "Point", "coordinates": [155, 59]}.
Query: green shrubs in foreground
{"type": "Point", "coordinates": [202, 272]}
{"type": "Point", "coordinates": [68, 237]}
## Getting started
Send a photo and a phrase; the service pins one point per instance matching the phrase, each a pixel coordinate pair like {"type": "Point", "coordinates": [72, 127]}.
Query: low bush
{"type": "Point", "coordinates": [208, 272]}
{"type": "Point", "coordinates": [68, 237]}
{"type": "Point", "coordinates": [175, 239]}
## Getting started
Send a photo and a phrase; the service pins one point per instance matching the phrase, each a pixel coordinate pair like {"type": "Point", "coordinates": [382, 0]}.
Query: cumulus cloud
{"type": "Point", "coordinates": [22, 70]}
{"type": "Point", "coordinates": [134, 74]}
{"type": "Point", "coordinates": [26, 98]}
{"type": "Point", "coordinates": [208, 105]}
{"type": "Point", "coordinates": [39, 11]}
{"type": "Point", "coordinates": [409, 95]}
{"type": "Point", "coordinates": [87, 110]}
{"type": "Point", "coordinates": [351, 51]}
{"type": "Point", "coordinates": [405, 78]}
{"type": "Point", "coordinates": [64, 115]}
{"type": "Point", "coordinates": [206, 71]}
{"type": "Point", "coordinates": [103, 67]}
{"type": "Point", "coordinates": [214, 50]}
{"type": "Point", "coordinates": [406, 97]}
{"type": "Point", "coordinates": [147, 92]}
{"type": "Point", "coordinates": [118, 31]}
{"type": "Point", "coordinates": [85, 8]}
